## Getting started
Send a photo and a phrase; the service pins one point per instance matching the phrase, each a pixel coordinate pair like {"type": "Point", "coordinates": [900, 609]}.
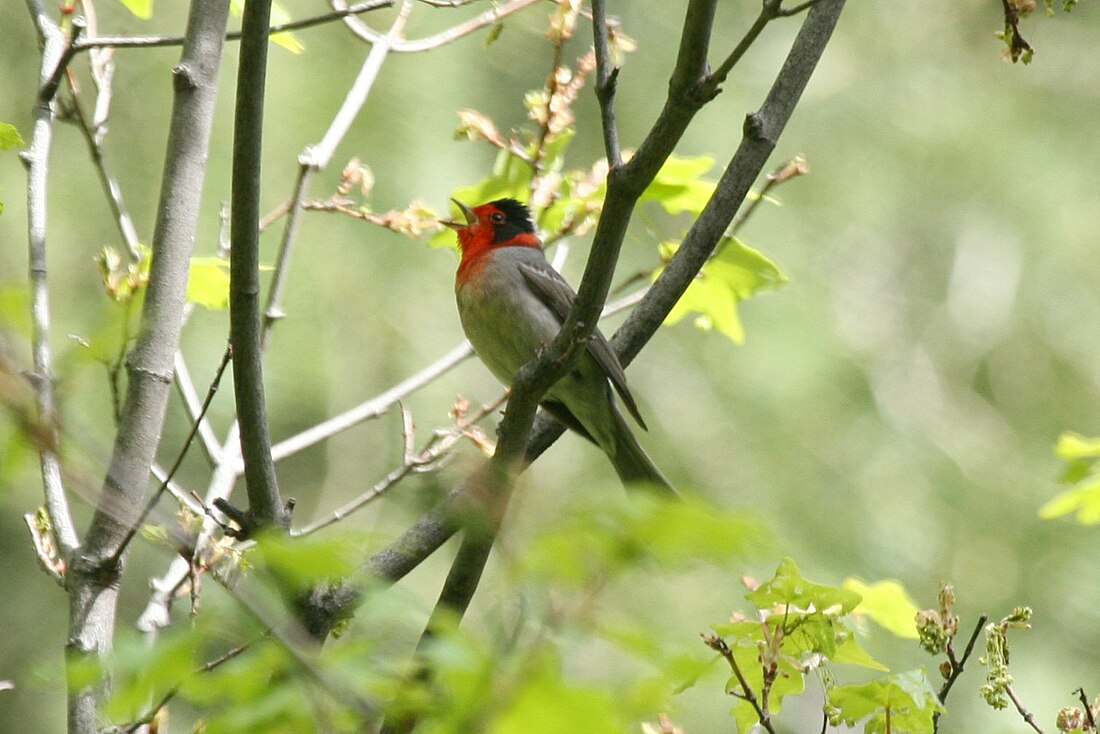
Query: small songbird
{"type": "Point", "coordinates": [512, 303]}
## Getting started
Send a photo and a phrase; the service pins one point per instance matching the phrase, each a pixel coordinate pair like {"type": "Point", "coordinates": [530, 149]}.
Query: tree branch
{"type": "Point", "coordinates": [36, 160]}
{"type": "Point", "coordinates": [606, 77]}
{"type": "Point", "coordinates": [92, 583]}
{"type": "Point", "coordinates": [761, 131]}
{"type": "Point", "coordinates": [265, 506]}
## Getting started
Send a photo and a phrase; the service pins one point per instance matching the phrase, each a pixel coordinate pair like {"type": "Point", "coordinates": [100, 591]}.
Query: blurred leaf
{"type": "Point", "coordinates": [208, 282]}
{"type": "Point", "coordinates": [9, 137]}
{"type": "Point", "coordinates": [735, 273]}
{"type": "Point", "coordinates": [852, 653]}
{"type": "Point", "coordinates": [142, 672]}
{"type": "Point", "coordinates": [614, 537]}
{"type": "Point", "coordinates": [1084, 499]}
{"type": "Point", "coordinates": [309, 560]}
{"type": "Point", "coordinates": [1082, 457]}
{"type": "Point", "coordinates": [15, 308]}
{"type": "Point", "coordinates": [888, 604]}
{"type": "Point", "coordinates": [899, 704]}
{"type": "Point", "coordinates": [679, 186]}
{"type": "Point", "coordinates": [141, 8]}
{"type": "Point", "coordinates": [546, 705]}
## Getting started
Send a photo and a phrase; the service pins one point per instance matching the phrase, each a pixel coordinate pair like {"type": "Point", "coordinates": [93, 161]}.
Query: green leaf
{"type": "Point", "coordinates": [1082, 457]}
{"type": "Point", "coordinates": [1075, 446]}
{"type": "Point", "coordinates": [141, 8]}
{"type": "Point", "coordinates": [307, 561]}
{"type": "Point", "coordinates": [9, 137]}
{"type": "Point", "coordinates": [679, 186]}
{"type": "Point", "coordinates": [888, 604]}
{"type": "Point", "coordinates": [899, 704]}
{"type": "Point", "coordinates": [788, 588]}
{"type": "Point", "coordinates": [735, 273]}
{"type": "Point", "coordinates": [852, 653]}
{"type": "Point", "coordinates": [1084, 499]}
{"type": "Point", "coordinates": [208, 282]}
{"type": "Point", "coordinates": [612, 537]}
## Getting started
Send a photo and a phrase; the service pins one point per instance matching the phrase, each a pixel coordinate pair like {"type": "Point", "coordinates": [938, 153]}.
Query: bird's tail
{"type": "Point", "coordinates": [632, 463]}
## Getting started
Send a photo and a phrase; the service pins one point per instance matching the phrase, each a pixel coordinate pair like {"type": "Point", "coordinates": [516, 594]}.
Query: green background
{"type": "Point", "coordinates": [892, 413]}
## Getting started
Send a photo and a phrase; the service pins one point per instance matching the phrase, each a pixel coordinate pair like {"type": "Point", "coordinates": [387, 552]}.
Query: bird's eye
{"type": "Point", "coordinates": [497, 218]}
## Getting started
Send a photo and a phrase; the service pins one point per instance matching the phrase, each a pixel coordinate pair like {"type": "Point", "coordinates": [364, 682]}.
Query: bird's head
{"type": "Point", "coordinates": [500, 223]}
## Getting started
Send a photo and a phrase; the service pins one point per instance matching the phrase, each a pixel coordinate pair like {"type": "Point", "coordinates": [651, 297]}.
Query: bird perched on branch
{"type": "Point", "coordinates": [512, 303]}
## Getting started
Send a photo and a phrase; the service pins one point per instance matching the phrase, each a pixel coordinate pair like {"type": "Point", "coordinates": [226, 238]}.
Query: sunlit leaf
{"type": "Point", "coordinates": [141, 8]}
{"type": "Point", "coordinates": [9, 137]}
{"type": "Point", "coordinates": [852, 653]}
{"type": "Point", "coordinates": [737, 272]}
{"type": "Point", "coordinates": [888, 604]}
{"type": "Point", "coordinates": [208, 282]}
{"type": "Point", "coordinates": [899, 704]}
{"type": "Point", "coordinates": [679, 186]}
{"type": "Point", "coordinates": [546, 705]}
{"type": "Point", "coordinates": [788, 588]}
{"type": "Point", "coordinates": [1083, 499]}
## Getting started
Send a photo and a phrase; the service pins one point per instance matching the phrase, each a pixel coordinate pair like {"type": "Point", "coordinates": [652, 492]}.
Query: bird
{"type": "Point", "coordinates": [512, 303]}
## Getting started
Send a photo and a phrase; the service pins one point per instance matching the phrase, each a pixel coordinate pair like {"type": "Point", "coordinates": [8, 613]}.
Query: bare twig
{"type": "Point", "coordinates": [36, 160]}
{"type": "Point", "coordinates": [722, 648]}
{"type": "Point", "coordinates": [196, 409]}
{"type": "Point", "coordinates": [107, 180]}
{"type": "Point", "coordinates": [427, 459]}
{"type": "Point", "coordinates": [155, 497]}
{"type": "Point", "coordinates": [493, 15]}
{"type": "Point", "coordinates": [1090, 720]}
{"type": "Point", "coordinates": [606, 78]}
{"type": "Point", "coordinates": [1028, 717]}
{"type": "Point", "coordinates": [159, 41]}
{"type": "Point", "coordinates": [376, 406]}
{"type": "Point", "coordinates": [958, 664]}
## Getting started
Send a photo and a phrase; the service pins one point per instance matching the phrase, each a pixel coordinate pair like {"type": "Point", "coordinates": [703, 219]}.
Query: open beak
{"type": "Point", "coordinates": [466, 212]}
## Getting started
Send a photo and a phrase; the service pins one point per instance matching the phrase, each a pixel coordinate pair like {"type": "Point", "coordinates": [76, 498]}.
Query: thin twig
{"type": "Point", "coordinates": [196, 410]}
{"type": "Point", "coordinates": [159, 41]}
{"type": "Point", "coordinates": [428, 459]}
{"type": "Point", "coordinates": [155, 497]}
{"type": "Point", "coordinates": [489, 17]}
{"type": "Point", "coordinates": [606, 78]}
{"type": "Point", "coordinates": [373, 408]}
{"type": "Point", "coordinates": [110, 184]}
{"type": "Point", "coordinates": [957, 665]}
{"type": "Point", "coordinates": [722, 648]}
{"type": "Point", "coordinates": [36, 160]}
{"type": "Point", "coordinates": [1090, 720]}
{"type": "Point", "coordinates": [1028, 717]}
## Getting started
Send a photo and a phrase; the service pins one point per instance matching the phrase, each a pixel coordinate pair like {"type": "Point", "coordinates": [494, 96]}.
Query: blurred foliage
{"type": "Point", "coordinates": [891, 415]}
{"type": "Point", "coordinates": [1082, 472]}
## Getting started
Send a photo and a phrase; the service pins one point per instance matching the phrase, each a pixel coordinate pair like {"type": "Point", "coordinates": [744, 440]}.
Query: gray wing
{"type": "Point", "coordinates": [559, 296]}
